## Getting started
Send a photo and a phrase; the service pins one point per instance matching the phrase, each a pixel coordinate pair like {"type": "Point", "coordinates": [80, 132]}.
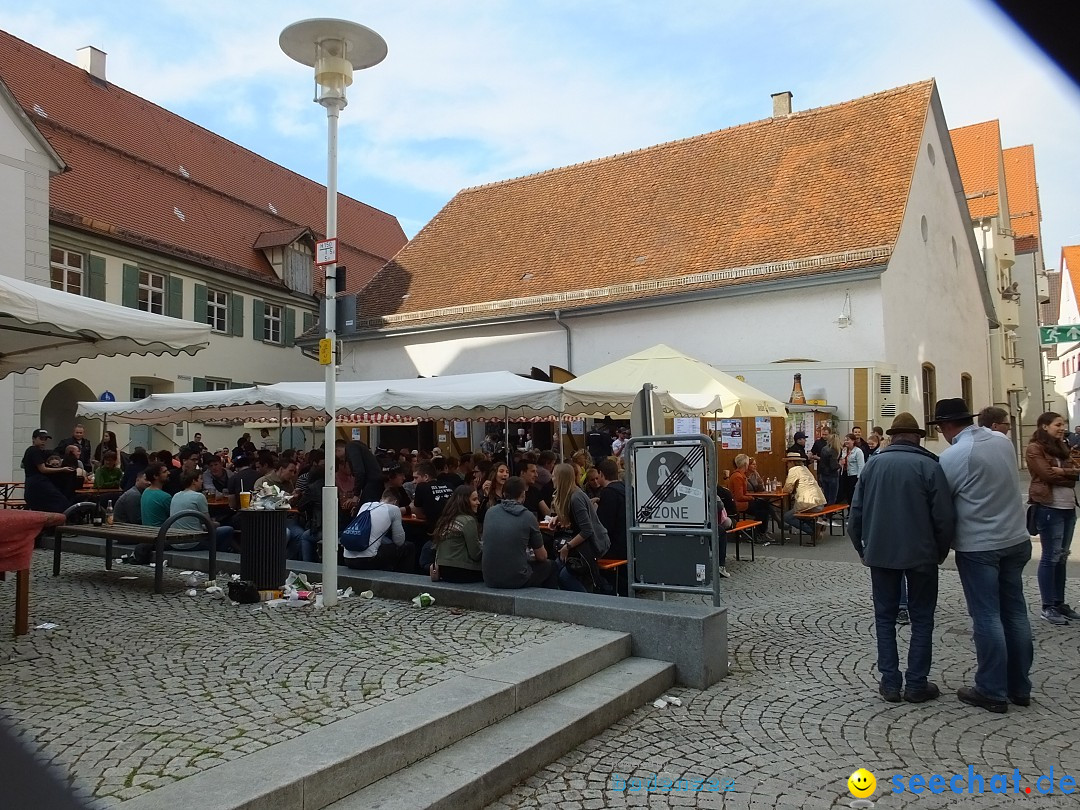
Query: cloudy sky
{"type": "Point", "coordinates": [483, 90]}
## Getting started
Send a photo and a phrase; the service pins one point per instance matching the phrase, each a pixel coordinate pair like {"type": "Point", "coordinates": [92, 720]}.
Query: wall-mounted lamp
{"type": "Point", "coordinates": [844, 320]}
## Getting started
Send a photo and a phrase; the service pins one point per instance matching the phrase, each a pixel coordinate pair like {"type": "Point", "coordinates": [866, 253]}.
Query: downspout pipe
{"type": "Point", "coordinates": [569, 341]}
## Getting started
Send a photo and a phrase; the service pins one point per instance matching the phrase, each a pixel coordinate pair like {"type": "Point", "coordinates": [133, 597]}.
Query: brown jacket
{"type": "Point", "coordinates": [1044, 474]}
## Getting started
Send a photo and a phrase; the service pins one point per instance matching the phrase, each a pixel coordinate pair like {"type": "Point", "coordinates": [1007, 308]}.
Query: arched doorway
{"type": "Point", "coordinates": [58, 411]}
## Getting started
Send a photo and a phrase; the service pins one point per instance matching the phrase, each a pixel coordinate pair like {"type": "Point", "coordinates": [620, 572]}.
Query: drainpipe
{"type": "Point", "coordinates": [569, 343]}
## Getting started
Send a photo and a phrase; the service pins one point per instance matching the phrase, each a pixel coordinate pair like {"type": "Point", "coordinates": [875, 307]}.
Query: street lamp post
{"type": "Point", "coordinates": [335, 48]}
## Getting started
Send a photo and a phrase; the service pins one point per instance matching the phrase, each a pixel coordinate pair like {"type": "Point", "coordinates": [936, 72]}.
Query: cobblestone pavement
{"type": "Point", "coordinates": [800, 711]}
{"type": "Point", "coordinates": [132, 691]}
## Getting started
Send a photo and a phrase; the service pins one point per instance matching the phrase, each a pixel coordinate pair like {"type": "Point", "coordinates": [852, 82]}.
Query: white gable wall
{"type": "Point", "coordinates": [934, 311]}
{"type": "Point", "coordinates": [24, 254]}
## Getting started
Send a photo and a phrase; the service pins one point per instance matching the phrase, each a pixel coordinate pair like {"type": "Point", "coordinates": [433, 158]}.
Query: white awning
{"type": "Point", "coordinates": [40, 326]}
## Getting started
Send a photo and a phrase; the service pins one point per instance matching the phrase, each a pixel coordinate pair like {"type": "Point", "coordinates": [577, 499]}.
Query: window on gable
{"type": "Point", "coordinates": [298, 270]}
{"type": "Point", "coordinates": [929, 392]}
{"type": "Point", "coordinates": [272, 323]}
{"type": "Point", "coordinates": [66, 271]}
{"type": "Point", "coordinates": [151, 292]}
{"type": "Point", "coordinates": [217, 310]}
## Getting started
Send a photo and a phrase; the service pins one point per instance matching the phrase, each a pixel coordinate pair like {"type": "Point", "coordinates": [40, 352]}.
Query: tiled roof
{"type": "Point", "coordinates": [1024, 211]}
{"type": "Point", "coordinates": [812, 192]}
{"type": "Point", "coordinates": [978, 155]}
{"type": "Point", "coordinates": [286, 236]}
{"type": "Point", "coordinates": [134, 166]}
{"type": "Point", "coordinates": [1070, 263]}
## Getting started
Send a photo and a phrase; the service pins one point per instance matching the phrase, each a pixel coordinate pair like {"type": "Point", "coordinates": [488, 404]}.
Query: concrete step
{"type": "Point", "coordinates": [323, 766]}
{"type": "Point", "coordinates": [482, 767]}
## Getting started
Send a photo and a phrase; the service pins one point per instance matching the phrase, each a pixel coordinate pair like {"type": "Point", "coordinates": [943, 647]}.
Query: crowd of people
{"type": "Point", "coordinates": [474, 518]}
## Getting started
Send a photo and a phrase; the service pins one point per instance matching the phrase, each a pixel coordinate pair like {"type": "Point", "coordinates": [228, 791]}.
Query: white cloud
{"type": "Point", "coordinates": [478, 91]}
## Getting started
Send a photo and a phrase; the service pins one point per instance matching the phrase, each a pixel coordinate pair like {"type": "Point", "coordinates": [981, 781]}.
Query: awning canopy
{"type": "Point", "coordinates": [684, 385]}
{"type": "Point", "coordinates": [40, 326]}
{"type": "Point", "coordinates": [460, 396]}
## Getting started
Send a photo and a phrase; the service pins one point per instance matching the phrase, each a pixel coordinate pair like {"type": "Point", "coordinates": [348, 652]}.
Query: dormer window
{"type": "Point", "coordinates": [291, 255]}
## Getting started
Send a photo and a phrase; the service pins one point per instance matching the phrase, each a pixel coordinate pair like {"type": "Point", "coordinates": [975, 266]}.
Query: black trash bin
{"type": "Point", "coordinates": [263, 547]}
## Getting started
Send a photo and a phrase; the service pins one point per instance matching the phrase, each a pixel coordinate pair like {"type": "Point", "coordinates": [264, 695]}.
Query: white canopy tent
{"type": "Point", "coordinates": [684, 386]}
{"type": "Point", "coordinates": [46, 327]}
{"type": "Point", "coordinates": [461, 396]}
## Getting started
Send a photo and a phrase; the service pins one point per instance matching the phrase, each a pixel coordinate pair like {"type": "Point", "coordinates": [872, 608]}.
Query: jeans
{"type": "Point", "coordinates": [805, 526]}
{"type": "Point", "coordinates": [1055, 534]}
{"type": "Point", "coordinates": [922, 584]}
{"type": "Point", "coordinates": [830, 486]}
{"type": "Point", "coordinates": [994, 590]}
{"type": "Point", "coordinates": [307, 545]}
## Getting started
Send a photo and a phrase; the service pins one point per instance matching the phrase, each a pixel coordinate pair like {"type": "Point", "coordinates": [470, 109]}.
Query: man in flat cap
{"type": "Point", "coordinates": [902, 525]}
{"type": "Point", "coordinates": [992, 547]}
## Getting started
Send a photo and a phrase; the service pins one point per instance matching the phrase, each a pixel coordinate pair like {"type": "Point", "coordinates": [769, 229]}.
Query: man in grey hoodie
{"type": "Point", "coordinates": [992, 547]}
{"type": "Point", "coordinates": [510, 530]}
{"type": "Point", "coordinates": [902, 524]}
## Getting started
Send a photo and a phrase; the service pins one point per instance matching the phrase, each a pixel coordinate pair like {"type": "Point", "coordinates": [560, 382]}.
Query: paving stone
{"type": "Point", "coordinates": [800, 710]}
{"type": "Point", "coordinates": [134, 690]}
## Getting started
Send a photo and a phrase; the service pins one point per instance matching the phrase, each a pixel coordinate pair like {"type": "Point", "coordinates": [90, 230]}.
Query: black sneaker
{"type": "Point", "coordinates": [973, 697]}
{"type": "Point", "coordinates": [890, 695]}
{"type": "Point", "coordinates": [902, 617]}
{"type": "Point", "coordinates": [1068, 612]}
{"type": "Point", "coordinates": [1052, 615]}
{"type": "Point", "coordinates": [928, 692]}
{"type": "Point", "coordinates": [1021, 700]}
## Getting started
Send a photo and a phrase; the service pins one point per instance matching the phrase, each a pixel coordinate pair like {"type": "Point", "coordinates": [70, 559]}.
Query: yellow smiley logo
{"type": "Point", "coordinates": [862, 784]}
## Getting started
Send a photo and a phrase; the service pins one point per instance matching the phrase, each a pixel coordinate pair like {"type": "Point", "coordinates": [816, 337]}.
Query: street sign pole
{"type": "Point", "coordinates": [673, 539]}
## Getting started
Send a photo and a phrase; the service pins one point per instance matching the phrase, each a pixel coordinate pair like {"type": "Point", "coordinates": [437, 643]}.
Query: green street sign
{"type": "Point", "coordinates": [1063, 333]}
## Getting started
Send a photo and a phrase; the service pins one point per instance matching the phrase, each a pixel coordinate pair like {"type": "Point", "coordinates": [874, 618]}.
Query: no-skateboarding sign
{"type": "Point", "coordinates": [669, 485]}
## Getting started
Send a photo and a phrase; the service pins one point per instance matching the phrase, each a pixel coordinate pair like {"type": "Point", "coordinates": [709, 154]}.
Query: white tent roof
{"type": "Point", "coordinates": [46, 327]}
{"type": "Point", "coordinates": [684, 385]}
{"type": "Point", "coordinates": [461, 396]}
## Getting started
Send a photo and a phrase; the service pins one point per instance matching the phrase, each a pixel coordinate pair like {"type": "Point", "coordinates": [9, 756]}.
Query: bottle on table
{"type": "Point", "coordinates": [109, 514]}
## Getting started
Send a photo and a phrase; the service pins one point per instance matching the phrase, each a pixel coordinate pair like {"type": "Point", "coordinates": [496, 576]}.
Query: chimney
{"type": "Point", "coordinates": [781, 104]}
{"type": "Point", "coordinates": [92, 61]}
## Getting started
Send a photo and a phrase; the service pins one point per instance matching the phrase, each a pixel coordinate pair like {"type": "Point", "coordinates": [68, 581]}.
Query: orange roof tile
{"type": "Point", "coordinates": [978, 155]}
{"type": "Point", "coordinates": [1023, 192]}
{"type": "Point", "coordinates": [812, 192]}
{"type": "Point", "coordinates": [1070, 263]}
{"type": "Point", "coordinates": [132, 163]}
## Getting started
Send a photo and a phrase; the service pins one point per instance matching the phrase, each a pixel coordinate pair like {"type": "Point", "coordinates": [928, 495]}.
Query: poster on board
{"type": "Point", "coordinates": [687, 425]}
{"type": "Point", "coordinates": [731, 434]}
{"type": "Point", "coordinates": [764, 441]}
{"type": "Point", "coordinates": [461, 429]}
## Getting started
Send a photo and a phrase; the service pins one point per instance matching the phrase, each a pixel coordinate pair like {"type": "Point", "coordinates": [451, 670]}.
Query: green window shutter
{"type": "Point", "coordinates": [131, 286]}
{"type": "Point", "coordinates": [234, 385]}
{"type": "Point", "coordinates": [309, 320]}
{"type": "Point", "coordinates": [257, 314]}
{"type": "Point", "coordinates": [96, 287]}
{"type": "Point", "coordinates": [200, 303]}
{"type": "Point", "coordinates": [198, 384]}
{"type": "Point", "coordinates": [236, 314]}
{"type": "Point", "coordinates": [289, 336]}
{"type": "Point", "coordinates": [175, 305]}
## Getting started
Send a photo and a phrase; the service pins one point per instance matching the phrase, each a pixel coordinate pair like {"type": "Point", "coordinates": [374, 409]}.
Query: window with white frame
{"type": "Point", "coordinates": [272, 323]}
{"type": "Point", "coordinates": [66, 270]}
{"type": "Point", "coordinates": [152, 292]}
{"type": "Point", "coordinates": [217, 310]}
{"type": "Point", "coordinates": [217, 385]}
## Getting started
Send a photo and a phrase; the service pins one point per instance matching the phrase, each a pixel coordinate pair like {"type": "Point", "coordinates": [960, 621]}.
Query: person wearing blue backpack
{"type": "Point", "coordinates": [375, 539]}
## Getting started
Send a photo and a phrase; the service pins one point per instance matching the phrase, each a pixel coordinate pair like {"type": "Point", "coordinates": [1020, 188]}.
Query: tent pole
{"type": "Point", "coordinates": [506, 419]}
{"type": "Point", "coordinates": [558, 432]}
